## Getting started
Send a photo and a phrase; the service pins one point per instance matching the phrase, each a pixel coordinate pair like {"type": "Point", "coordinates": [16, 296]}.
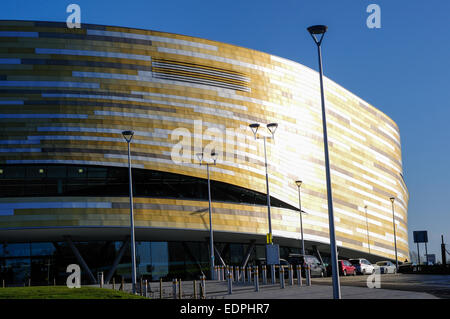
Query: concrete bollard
{"type": "Point", "coordinates": [281, 277]}
{"type": "Point", "coordinates": [291, 275]}
{"type": "Point", "coordinates": [272, 273]}
{"type": "Point", "coordinates": [160, 288]}
{"type": "Point", "coordinates": [256, 277]}
{"type": "Point", "coordinates": [249, 274]}
{"type": "Point", "coordinates": [180, 290]}
{"type": "Point", "coordinates": [299, 275]}
{"type": "Point", "coordinates": [174, 289]}
{"type": "Point", "coordinates": [230, 283]}
{"type": "Point", "coordinates": [308, 275]}
{"type": "Point", "coordinates": [264, 274]}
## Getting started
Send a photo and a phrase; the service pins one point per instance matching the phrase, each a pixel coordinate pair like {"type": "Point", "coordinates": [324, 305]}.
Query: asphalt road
{"type": "Point", "coordinates": [437, 285]}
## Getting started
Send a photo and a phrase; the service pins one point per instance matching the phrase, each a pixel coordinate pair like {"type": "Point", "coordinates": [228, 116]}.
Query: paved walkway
{"type": "Point", "coordinates": [219, 290]}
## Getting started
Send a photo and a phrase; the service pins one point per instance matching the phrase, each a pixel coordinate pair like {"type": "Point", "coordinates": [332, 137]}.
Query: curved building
{"type": "Point", "coordinates": [67, 94]}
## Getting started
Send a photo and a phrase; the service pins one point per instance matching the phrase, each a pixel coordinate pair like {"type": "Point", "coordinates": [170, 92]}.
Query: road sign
{"type": "Point", "coordinates": [431, 258]}
{"type": "Point", "coordinates": [272, 254]}
{"type": "Point", "coordinates": [420, 236]}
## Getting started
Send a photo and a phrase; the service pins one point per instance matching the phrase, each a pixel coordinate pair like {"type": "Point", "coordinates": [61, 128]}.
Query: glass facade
{"type": "Point", "coordinates": [42, 263]}
{"type": "Point", "coordinates": [74, 180]}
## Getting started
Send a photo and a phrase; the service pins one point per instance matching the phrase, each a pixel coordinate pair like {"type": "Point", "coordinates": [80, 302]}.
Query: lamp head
{"type": "Point", "coordinates": [317, 29]}
{"type": "Point", "coordinates": [299, 183]}
{"type": "Point", "coordinates": [254, 127]}
{"type": "Point", "coordinates": [128, 135]}
{"type": "Point", "coordinates": [392, 199]}
{"type": "Point", "coordinates": [214, 156]}
{"type": "Point", "coordinates": [272, 127]}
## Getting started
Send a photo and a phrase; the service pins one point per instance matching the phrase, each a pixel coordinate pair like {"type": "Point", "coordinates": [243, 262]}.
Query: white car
{"type": "Point", "coordinates": [363, 266]}
{"type": "Point", "coordinates": [387, 267]}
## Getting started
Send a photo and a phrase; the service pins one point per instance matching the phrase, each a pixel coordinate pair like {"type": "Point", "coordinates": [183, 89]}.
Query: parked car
{"type": "Point", "coordinates": [345, 268]}
{"type": "Point", "coordinates": [386, 267]}
{"type": "Point", "coordinates": [363, 266]}
{"type": "Point", "coordinates": [318, 269]}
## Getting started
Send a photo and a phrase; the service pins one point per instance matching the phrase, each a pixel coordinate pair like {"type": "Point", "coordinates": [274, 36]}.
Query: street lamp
{"type": "Point", "coordinates": [128, 135]}
{"type": "Point", "coordinates": [316, 31]}
{"type": "Point", "coordinates": [272, 127]}
{"type": "Point", "coordinates": [211, 240]}
{"type": "Point", "coordinates": [299, 184]}
{"type": "Point", "coordinates": [367, 227]}
{"type": "Point", "coordinates": [395, 236]}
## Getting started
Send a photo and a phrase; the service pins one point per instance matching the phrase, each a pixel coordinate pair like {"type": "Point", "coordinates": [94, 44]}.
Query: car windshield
{"type": "Point", "coordinates": [381, 263]}
{"type": "Point", "coordinates": [354, 261]}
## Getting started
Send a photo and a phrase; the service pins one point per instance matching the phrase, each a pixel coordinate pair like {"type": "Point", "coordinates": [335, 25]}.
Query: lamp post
{"type": "Point", "coordinates": [128, 135]}
{"type": "Point", "coordinates": [211, 240]}
{"type": "Point", "coordinates": [395, 236]}
{"type": "Point", "coordinates": [272, 127]}
{"type": "Point", "coordinates": [315, 31]}
{"type": "Point", "coordinates": [299, 184]}
{"type": "Point", "coordinates": [367, 227]}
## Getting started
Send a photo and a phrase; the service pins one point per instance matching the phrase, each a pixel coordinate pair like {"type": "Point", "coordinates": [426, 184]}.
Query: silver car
{"type": "Point", "coordinates": [387, 267]}
{"type": "Point", "coordinates": [363, 266]}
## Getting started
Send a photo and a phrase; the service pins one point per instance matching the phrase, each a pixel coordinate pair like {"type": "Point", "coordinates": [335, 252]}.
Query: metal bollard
{"type": "Point", "coordinates": [114, 284]}
{"type": "Point", "coordinates": [122, 284]}
{"type": "Point", "coordinates": [299, 275]}
{"type": "Point", "coordinates": [231, 269]}
{"type": "Point", "coordinates": [100, 279]}
{"type": "Point", "coordinates": [174, 289]}
{"type": "Point", "coordinates": [264, 274]}
{"type": "Point", "coordinates": [145, 288]}
{"type": "Point", "coordinates": [216, 272]}
{"type": "Point", "coordinates": [222, 273]}
{"type": "Point", "coordinates": [203, 287]}
{"type": "Point", "coordinates": [249, 274]}
{"type": "Point", "coordinates": [291, 275]}
{"type": "Point", "coordinates": [160, 288]}
{"type": "Point", "coordinates": [195, 290]}
{"type": "Point", "coordinates": [3, 283]}
{"type": "Point", "coordinates": [281, 277]}
{"type": "Point", "coordinates": [272, 272]}
{"type": "Point", "coordinates": [54, 281]}
{"type": "Point", "coordinates": [140, 287]}
{"type": "Point", "coordinates": [308, 275]}
{"type": "Point", "coordinates": [180, 291]}
{"type": "Point", "coordinates": [236, 274]}
{"type": "Point", "coordinates": [243, 274]}
{"type": "Point", "coordinates": [230, 284]}
{"type": "Point", "coordinates": [256, 278]}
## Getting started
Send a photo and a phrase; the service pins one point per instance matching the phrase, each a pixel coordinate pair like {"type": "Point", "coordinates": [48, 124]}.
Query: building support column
{"type": "Point", "coordinates": [80, 259]}
{"type": "Point", "coordinates": [118, 259]}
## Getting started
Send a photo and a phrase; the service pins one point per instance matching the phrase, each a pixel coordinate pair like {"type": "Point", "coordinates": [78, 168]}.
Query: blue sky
{"type": "Point", "coordinates": [403, 68]}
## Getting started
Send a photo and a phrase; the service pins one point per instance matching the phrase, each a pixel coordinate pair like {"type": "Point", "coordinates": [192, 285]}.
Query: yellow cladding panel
{"type": "Point", "coordinates": [92, 84]}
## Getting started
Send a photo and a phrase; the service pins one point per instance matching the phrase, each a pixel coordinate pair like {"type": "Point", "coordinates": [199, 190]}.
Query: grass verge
{"type": "Point", "coordinates": [62, 292]}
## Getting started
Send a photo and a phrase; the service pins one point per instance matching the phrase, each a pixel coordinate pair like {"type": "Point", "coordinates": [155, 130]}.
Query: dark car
{"type": "Point", "coordinates": [283, 263]}
{"type": "Point", "coordinates": [318, 269]}
{"type": "Point", "coordinates": [345, 268]}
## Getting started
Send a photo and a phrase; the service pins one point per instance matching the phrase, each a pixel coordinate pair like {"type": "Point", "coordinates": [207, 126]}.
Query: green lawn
{"type": "Point", "coordinates": [62, 292]}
